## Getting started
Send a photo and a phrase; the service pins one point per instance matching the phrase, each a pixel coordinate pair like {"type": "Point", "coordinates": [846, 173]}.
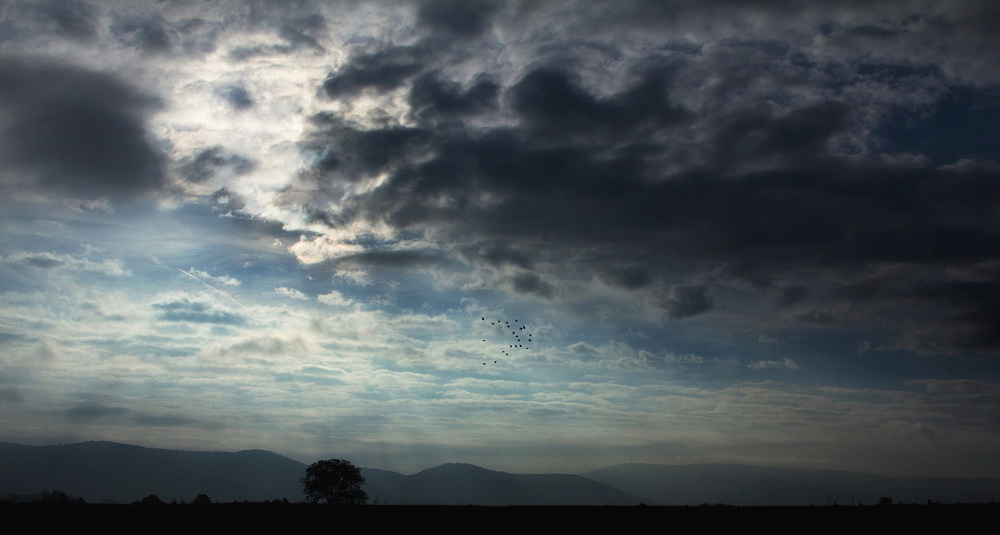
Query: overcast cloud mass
{"type": "Point", "coordinates": [742, 232]}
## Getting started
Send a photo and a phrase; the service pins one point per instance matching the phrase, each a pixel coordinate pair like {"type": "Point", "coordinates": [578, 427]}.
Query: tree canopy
{"type": "Point", "coordinates": [334, 481]}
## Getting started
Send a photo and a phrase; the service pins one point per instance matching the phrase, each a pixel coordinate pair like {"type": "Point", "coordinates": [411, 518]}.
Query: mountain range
{"type": "Point", "coordinates": [121, 473]}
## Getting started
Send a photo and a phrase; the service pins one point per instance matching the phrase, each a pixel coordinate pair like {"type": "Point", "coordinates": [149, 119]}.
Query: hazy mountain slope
{"type": "Point", "coordinates": [459, 484]}
{"type": "Point", "coordinates": [106, 471]}
{"type": "Point", "coordinates": [757, 485]}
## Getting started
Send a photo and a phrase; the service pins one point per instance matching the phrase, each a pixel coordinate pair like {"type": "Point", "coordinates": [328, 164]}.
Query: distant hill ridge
{"type": "Point", "coordinates": [122, 473]}
{"type": "Point", "coordinates": [750, 485]}
{"type": "Point", "coordinates": [457, 484]}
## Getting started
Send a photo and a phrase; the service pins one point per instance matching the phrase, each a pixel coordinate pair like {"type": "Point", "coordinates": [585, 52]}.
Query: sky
{"type": "Point", "coordinates": [735, 232]}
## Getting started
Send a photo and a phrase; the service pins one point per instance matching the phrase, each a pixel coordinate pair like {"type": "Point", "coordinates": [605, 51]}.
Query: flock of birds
{"type": "Point", "coordinates": [516, 339]}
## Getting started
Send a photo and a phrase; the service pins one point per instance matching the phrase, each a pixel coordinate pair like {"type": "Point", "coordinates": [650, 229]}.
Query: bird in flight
{"type": "Point", "coordinates": [516, 342]}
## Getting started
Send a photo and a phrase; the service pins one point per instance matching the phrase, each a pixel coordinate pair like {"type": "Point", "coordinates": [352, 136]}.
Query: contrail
{"type": "Point", "coordinates": [210, 286]}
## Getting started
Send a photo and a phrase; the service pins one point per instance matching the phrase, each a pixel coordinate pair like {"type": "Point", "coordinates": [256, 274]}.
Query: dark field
{"type": "Point", "coordinates": [474, 519]}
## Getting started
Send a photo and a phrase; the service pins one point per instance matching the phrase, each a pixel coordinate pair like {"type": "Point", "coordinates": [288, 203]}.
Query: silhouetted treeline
{"type": "Point", "coordinates": [45, 497]}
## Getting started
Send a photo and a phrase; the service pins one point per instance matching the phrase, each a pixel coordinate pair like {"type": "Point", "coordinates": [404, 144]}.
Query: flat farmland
{"type": "Point", "coordinates": [469, 519]}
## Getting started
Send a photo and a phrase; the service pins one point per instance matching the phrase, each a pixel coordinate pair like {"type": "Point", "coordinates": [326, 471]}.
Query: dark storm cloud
{"type": "Point", "coordinates": [551, 102]}
{"type": "Point", "coordinates": [753, 178]}
{"type": "Point", "coordinates": [69, 18]}
{"type": "Point", "coordinates": [963, 123]}
{"type": "Point", "coordinates": [76, 131]}
{"type": "Point", "coordinates": [792, 294]}
{"type": "Point", "coordinates": [149, 33]}
{"type": "Point", "coordinates": [152, 34]}
{"type": "Point", "coordinates": [383, 70]}
{"type": "Point", "coordinates": [810, 208]}
{"type": "Point", "coordinates": [963, 312]}
{"type": "Point", "coordinates": [531, 283]}
{"type": "Point", "coordinates": [497, 253]}
{"type": "Point", "coordinates": [303, 32]}
{"type": "Point", "coordinates": [392, 66]}
{"type": "Point", "coordinates": [433, 97]}
{"type": "Point", "coordinates": [457, 18]}
{"type": "Point", "coordinates": [356, 153]}
{"type": "Point", "coordinates": [683, 301]}
{"type": "Point", "coordinates": [626, 276]}
{"type": "Point", "coordinates": [300, 28]}
{"type": "Point", "coordinates": [75, 21]}
{"type": "Point", "coordinates": [826, 317]}
{"type": "Point", "coordinates": [801, 133]}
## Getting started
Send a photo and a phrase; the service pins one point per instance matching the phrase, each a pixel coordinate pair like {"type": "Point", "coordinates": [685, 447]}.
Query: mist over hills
{"type": "Point", "coordinates": [758, 485]}
{"type": "Point", "coordinates": [121, 473]}
{"type": "Point", "coordinates": [457, 484]}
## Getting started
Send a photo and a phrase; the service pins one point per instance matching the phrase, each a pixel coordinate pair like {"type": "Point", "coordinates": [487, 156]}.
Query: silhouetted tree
{"type": "Point", "coordinates": [334, 481]}
{"type": "Point", "coordinates": [152, 499]}
{"type": "Point", "coordinates": [56, 496]}
{"type": "Point", "coordinates": [885, 500]}
{"type": "Point", "coordinates": [202, 499]}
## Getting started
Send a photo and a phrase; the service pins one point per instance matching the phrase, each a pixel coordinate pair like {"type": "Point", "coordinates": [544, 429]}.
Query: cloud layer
{"type": "Point", "coordinates": [710, 212]}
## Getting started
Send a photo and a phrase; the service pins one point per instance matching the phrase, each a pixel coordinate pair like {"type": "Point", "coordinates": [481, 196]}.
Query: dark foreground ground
{"type": "Point", "coordinates": [285, 518]}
